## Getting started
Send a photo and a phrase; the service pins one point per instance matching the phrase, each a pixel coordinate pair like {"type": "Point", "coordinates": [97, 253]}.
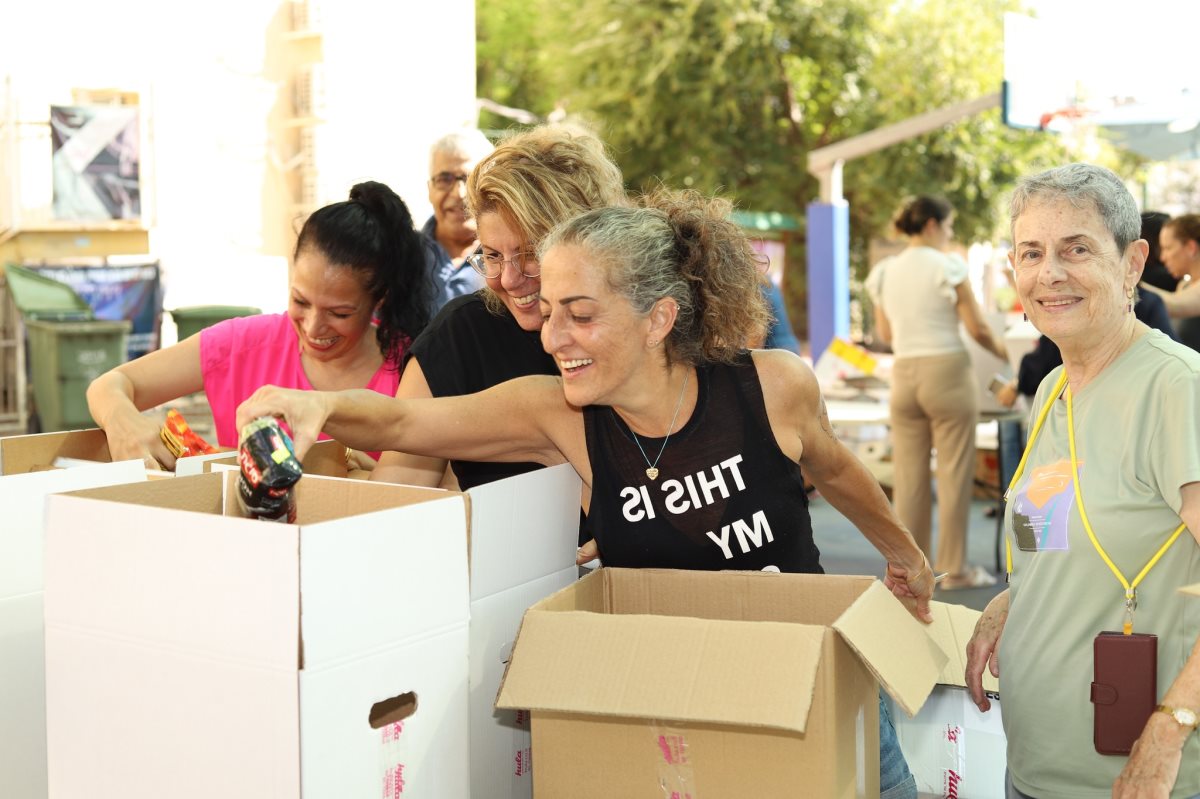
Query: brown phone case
{"type": "Point", "coordinates": [1124, 689]}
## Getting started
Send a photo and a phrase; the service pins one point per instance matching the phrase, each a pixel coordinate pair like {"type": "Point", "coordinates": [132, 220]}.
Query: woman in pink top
{"type": "Point", "coordinates": [358, 295]}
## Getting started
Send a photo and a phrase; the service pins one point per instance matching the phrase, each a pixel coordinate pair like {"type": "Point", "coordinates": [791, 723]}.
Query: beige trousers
{"type": "Point", "coordinates": [934, 406]}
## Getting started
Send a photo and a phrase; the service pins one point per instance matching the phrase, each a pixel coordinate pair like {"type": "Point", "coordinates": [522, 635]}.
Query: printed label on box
{"type": "Point", "coordinates": [955, 742]}
{"type": "Point", "coordinates": [675, 776]}
{"type": "Point", "coordinates": [393, 758]}
{"type": "Point", "coordinates": [522, 747]}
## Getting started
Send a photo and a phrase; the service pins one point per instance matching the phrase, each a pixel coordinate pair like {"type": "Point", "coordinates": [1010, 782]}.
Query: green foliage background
{"type": "Point", "coordinates": [728, 97]}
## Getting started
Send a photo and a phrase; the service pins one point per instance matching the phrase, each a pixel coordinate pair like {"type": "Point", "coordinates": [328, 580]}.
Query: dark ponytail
{"type": "Point", "coordinates": [372, 233]}
{"type": "Point", "coordinates": [915, 213]}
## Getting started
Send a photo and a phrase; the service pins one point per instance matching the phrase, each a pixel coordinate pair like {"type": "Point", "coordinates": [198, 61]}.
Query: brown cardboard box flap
{"type": "Point", "coordinates": [893, 645]}
{"type": "Point", "coordinates": [951, 630]}
{"type": "Point", "coordinates": [677, 668]}
{"type": "Point", "coordinates": [22, 454]}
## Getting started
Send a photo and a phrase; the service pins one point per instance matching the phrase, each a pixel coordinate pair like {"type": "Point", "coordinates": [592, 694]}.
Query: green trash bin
{"type": "Point", "coordinates": [39, 297]}
{"type": "Point", "coordinates": [65, 356]}
{"type": "Point", "coordinates": [194, 318]}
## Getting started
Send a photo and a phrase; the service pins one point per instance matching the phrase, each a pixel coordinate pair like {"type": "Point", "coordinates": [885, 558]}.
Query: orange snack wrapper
{"type": "Point", "coordinates": [181, 439]}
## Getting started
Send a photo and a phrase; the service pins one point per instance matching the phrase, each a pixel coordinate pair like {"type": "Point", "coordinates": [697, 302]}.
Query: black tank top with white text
{"type": "Point", "coordinates": [726, 496]}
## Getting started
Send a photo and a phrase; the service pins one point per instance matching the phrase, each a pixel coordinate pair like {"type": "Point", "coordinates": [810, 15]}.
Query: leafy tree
{"type": "Point", "coordinates": [729, 96]}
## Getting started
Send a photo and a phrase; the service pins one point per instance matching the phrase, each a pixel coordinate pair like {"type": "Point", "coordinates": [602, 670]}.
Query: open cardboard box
{"type": "Point", "coordinates": [193, 652]}
{"type": "Point", "coordinates": [26, 478]}
{"type": "Point", "coordinates": [951, 747]}
{"type": "Point", "coordinates": [523, 532]}
{"type": "Point", "coordinates": [652, 683]}
{"type": "Point", "coordinates": [523, 535]}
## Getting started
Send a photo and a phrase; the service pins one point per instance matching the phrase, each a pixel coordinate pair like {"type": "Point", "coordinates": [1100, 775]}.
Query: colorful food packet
{"type": "Point", "coordinates": [269, 470]}
{"type": "Point", "coordinates": [180, 439]}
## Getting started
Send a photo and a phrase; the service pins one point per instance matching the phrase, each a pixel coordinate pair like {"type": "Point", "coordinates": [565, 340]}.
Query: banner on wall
{"type": "Point", "coordinates": [133, 293]}
{"type": "Point", "coordinates": [95, 162]}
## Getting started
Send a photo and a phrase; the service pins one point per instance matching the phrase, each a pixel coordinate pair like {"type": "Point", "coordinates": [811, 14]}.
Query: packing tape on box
{"type": "Point", "coordinates": [676, 778]}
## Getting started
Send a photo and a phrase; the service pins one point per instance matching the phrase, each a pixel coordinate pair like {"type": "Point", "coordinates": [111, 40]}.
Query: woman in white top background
{"type": "Point", "coordinates": [920, 296]}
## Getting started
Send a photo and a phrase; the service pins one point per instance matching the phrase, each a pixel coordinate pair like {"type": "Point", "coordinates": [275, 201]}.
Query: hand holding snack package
{"type": "Point", "coordinates": [180, 439]}
{"type": "Point", "coordinates": [269, 470]}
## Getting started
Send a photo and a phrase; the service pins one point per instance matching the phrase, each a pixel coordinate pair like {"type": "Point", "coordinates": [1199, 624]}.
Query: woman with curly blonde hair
{"type": "Point", "coordinates": [692, 446]}
{"type": "Point", "coordinates": [532, 181]}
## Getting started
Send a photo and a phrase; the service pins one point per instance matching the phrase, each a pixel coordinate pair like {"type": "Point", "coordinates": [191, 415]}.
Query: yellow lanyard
{"type": "Point", "coordinates": [1130, 587]}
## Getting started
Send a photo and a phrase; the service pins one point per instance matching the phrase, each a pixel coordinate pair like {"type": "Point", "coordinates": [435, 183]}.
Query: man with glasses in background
{"type": "Point", "coordinates": [451, 234]}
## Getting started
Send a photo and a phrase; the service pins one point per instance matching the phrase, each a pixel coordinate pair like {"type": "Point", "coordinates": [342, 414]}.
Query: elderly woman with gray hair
{"type": "Point", "coordinates": [1100, 651]}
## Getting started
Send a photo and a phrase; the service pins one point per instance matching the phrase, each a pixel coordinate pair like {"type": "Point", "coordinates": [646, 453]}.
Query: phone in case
{"type": "Point", "coordinates": [997, 382]}
{"type": "Point", "coordinates": [1124, 689]}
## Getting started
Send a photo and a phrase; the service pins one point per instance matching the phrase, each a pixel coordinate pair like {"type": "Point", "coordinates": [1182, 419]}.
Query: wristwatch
{"type": "Point", "coordinates": [1183, 716]}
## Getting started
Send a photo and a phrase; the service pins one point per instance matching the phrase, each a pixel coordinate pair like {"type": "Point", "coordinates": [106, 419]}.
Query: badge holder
{"type": "Point", "coordinates": [1124, 686]}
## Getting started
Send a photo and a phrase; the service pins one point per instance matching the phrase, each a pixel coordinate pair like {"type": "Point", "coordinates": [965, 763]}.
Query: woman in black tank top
{"type": "Point", "coordinates": [692, 446]}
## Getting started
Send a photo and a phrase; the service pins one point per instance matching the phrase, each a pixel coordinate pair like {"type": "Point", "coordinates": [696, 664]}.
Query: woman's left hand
{"type": "Point", "coordinates": [304, 411]}
{"type": "Point", "coordinates": [587, 553]}
{"type": "Point", "coordinates": [913, 587]}
{"type": "Point", "coordinates": [1153, 764]}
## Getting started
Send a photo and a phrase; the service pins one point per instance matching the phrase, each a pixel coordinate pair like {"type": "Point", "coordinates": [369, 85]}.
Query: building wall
{"type": "Point", "coordinates": [223, 188]}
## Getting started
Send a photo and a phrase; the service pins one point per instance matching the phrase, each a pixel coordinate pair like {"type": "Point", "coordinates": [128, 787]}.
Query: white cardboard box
{"type": "Point", "coordinates": [952, 749]}
{"type": "Point", "coordinates": [22, 652]}
{"type": "Point", "coordinates": [192, 653]}
{"type": "Point", "coordinates": [524, 531]}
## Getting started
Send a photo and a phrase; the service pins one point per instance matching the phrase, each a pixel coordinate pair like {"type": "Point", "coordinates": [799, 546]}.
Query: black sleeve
{"type": "Point", "coordinates": [447, 344]}
{"type": "Point", "coordinates": [1036, 365]}
{"type": "Point", "coordinates": [1152, 311]}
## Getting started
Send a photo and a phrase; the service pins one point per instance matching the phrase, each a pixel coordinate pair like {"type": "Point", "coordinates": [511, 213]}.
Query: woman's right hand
{"type": "Point", "coordinates": [304, 411]}
{"type": "Point", "coordinates": [138, 438]}
{"type": "Point", "coordinates": [984, 648]}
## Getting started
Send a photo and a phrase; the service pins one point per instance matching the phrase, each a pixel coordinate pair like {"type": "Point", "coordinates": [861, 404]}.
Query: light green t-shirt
{"type": "Point", "coordinates": [1137, 438]}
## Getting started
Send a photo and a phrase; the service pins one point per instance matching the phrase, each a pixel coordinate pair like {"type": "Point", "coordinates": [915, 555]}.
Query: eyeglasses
{"type": "Point", "coordinates": [444, 181]}
{"type": "Point", "coordinates": [491, 264]}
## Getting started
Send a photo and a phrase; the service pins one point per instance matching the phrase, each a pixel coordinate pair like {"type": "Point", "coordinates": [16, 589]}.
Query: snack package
{"type": "Point", "coordinates": [269, 470]}
{"type": "Point", "coordinates": [180, 439]}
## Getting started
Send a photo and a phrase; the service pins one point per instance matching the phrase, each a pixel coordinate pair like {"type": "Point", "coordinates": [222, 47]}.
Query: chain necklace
{"type": "Point", "coordinates": [652, 468]}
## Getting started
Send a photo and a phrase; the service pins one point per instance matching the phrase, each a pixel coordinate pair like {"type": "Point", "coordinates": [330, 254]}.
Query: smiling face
{"type": "Point", "coordinates": [518, 292]}
{"type": "Point", "coordinates": [594, 334]}
{"type": "Point", "coordinates": [1178, 254]}
{"type": "Point", "coordinates": [1073, 283]}
{"type": "Point", "coordinates": [449, 208]}
{"type": "Point", "coordinates": [329, 308]}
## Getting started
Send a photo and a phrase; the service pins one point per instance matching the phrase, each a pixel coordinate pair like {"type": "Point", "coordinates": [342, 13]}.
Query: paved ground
{"type": "Point", "coordinates": [844, 550]}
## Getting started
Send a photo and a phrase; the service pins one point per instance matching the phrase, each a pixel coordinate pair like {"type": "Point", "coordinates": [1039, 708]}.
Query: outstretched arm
{"type": "Point", "coordinates": [1182, 303]}
{"type": "Point", "coordinates": [404, 467]}
{"type": "Point", "coordinates": [514, 421]}
{"type": "Point", "coordinates": [802, 429]}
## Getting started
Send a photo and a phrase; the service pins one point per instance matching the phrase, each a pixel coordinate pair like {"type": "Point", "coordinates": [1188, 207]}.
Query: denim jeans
{"type": "Point", "coordinates": [895, 780]}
